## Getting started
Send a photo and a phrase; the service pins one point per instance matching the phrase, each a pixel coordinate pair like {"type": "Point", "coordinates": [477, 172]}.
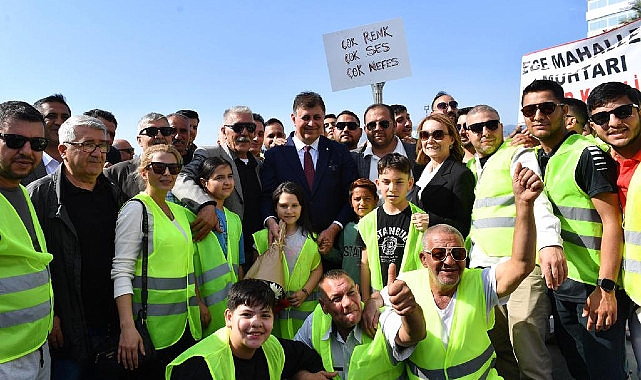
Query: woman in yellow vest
{"type": "Point", "coordinates": [173, 318]}
{"type": "Point", "coordinates": [301, 261]}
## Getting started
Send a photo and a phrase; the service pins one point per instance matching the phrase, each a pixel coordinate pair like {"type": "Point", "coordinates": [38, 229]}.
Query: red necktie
{"type": "Point", "coordinates": [308, 168]}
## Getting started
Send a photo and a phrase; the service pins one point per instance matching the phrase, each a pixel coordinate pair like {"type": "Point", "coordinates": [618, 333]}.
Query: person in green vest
{"type": "Point", "coordinates": [301, 261]}
{"type": "Point", "coordinates": [614, 109]}
{"type": "Point", "coordinates": [245, 349]}
{"type": "Point", "coordinates": [215, 279]}
{"type": "Point", "coordinates": [580, 181]}
{"type": "Point", "coordinates": [458, 302]}
{"type": "Point", "coordinates": [391, 234]}
{"type": "Point", "coordinates": [26, 297]}
{"type": "Point", "coordinates": [335, 330]}
{"type": "Point", "coordinates": [174, 307]}
{"type": "Point", "coordinates": [520, 326]}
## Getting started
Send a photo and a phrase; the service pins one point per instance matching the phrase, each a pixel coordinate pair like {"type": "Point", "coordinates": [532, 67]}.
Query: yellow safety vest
{"type": "Point", "coordinates": [26, 296]}
{"type": "Point", "coordinates": [370, 360]}
{"type": "Point", "coordinates": [367, 227]}
{"type": "Point", "coordinates": [494, 212]}
{"type": "Point", "coordinates": [214, 273]}
{"type": "Point", "coordinates": [216, 351]}
{"type": "Point", "coordinates": [581, 227]}
{"type": "Point", "coordinates": [291, 319]}
{"type": "Point", "coordinates": [469, 353]}
{"type": "Point", "coordinates": [172, 302]}
{"type": "Point", "coordinates": [632, 239]}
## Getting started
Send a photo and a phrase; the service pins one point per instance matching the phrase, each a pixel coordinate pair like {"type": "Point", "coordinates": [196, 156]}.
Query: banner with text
{"type": "Point", "coordinates": [368, 54]}
{"type": "Point", "coordinates": [579, 66]}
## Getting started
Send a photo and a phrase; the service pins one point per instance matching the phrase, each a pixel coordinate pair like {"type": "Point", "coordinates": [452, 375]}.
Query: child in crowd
{"type": "Point", "coordinates": [301, 262]}
{"type": "Point", "coordinates": [244, 348]}
{"type": "Point", "coordinates": [392, 234]}
{"type": "Point", "coordinates": [363, 198]}
{"type": "Point", "coordinates": [219, 248]}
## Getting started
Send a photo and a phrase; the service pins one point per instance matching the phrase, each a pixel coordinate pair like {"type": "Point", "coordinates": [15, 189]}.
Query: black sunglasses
{"type": "Point", "coordinates": [461, 126]}
{"type": "Point", "coordinates": [153, 131]}
{"type": "Point", "coordinates": [160, 167]}
{"type": "Point", "coordinates": [621, 112]}
{"type": "Point", "coordinates": [351, 125]}
{"type": "Point", "coordinates": [436, 135]}
{"type": "Point", "coordinates": [38, 144]}
{"type": "Point", "coordinates": [546, 108]}
{"type": "Point", "coordinates": [443, 105]}
{"type": "Point", "coordinates": [372, 124]}
{"type": "Point", "coordinates": [477, 128]}
{"type": "Point", "coordinates": [440, 253]}
{"type": "Point", "coordinates": [238, 127]}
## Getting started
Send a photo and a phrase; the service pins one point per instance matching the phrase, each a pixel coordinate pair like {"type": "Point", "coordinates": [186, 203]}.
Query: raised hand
{"type": "Point", "coordinates": [526, 184]}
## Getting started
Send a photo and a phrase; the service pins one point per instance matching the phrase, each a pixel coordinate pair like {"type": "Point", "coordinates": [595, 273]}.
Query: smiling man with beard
{"type": "Point", "coordinates": [153, 129]}
{"type": "Point", "coordinates": [525, 316]}
{"type": "Point", "coordinates": [334, 329]}
{"type": "Point", "coordinates": [238, 128]}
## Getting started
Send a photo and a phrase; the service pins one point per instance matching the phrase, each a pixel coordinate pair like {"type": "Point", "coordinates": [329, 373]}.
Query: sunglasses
{"type": "Point", "coordinates": [443, 105]}
{"type": "Point", "coordinates": [351, 125]}
{"type": "Point", "coordinates": [90, 147]}
{"type": "Point", "coordinates": [546, 108]}
{"type": "Point", "coordinates": [621, 112]}
{"type": "Point", "coordinates": [38, 144]}
{"type": "Point", "coordinates": [440, 253]}
{"type": "Point", "coordinates": [477, 128]}
{"type": "Point", "coordinates": [372, 124]}
{"type": "Point", "coordinates": [461, 126]}
{"type": "Point", "coordinates": [436, 135]}
{"type": "Point", "coordinates": [160, 167]}
{"type": "Point", "coordinates": [153, 131]}
{"type": "Point", "coordinates": [238, 127]}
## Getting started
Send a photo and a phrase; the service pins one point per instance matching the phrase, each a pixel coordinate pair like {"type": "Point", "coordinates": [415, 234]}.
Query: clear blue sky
{"type": "Point", "coordinates": [134, 57]}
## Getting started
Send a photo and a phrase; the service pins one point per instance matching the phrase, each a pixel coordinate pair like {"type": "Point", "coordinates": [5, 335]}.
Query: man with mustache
{"type": "Point", "coordinates": [153, 129]}
{"type": "Point", "coordinates": [77, 208]}
{"type": "Point", "coordinates": [238, 129]}
{"type": "Point", "coordinates": [444, 103]}
{"type": "Point", "coordinates": [182, 137]}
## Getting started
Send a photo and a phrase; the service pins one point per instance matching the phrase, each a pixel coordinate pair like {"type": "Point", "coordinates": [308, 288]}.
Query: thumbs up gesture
{"type": "Point", "coordinates": [400, 295]}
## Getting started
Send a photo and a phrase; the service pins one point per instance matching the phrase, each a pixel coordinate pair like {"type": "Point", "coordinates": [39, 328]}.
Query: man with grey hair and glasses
{"type": "Point", "coordinates": [77, 207]}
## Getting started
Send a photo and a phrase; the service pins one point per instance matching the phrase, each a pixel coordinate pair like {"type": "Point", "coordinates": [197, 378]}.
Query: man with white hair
{"type": "Point", "coordinates": [77, 207]}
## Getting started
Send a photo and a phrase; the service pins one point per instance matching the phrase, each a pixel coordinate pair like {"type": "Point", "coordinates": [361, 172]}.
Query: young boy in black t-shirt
{"type": "Point", "coordinates": [392, 233]}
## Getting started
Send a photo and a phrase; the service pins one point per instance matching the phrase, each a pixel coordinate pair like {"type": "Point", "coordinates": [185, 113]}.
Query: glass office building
{"type": "Point", "coordinates": [603, 15]}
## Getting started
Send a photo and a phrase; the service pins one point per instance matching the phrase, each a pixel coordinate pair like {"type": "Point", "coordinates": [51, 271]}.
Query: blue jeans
{"type": "Point", "coordinates": [591, 354]}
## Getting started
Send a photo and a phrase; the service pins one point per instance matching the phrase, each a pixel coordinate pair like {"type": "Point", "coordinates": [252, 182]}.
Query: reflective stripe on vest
{"type": "Point", "coordinates": [581, 227]}
{"type": "Point", "coordinates": [460, 370]}
{"type": "Point", "coordinates": [172, 303]}
{"type": "Point", "coordinates": [494, 211]}
{"type": "Point", "coordinates": [26, 296]}
{"type": "Point", "coordinates": [367, 228]}
{"type": "Point", "coordinates": [213, 273]}
{"type": "Point", "coordinates": [631, 273]}
{"type": "Point", "coordinates": [632, 237]}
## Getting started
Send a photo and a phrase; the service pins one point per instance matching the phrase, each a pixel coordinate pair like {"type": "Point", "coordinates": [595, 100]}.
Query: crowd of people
{"type": "Point", "coordinates": [439, 253]}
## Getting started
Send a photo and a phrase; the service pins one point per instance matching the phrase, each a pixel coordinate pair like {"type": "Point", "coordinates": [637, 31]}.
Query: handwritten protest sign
{"type": "Point", "coordinates": [368, 54]}
{"type": "Point", "coordinates": [579, 66]}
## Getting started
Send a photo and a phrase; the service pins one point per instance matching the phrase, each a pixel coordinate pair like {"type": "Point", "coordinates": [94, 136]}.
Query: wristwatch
{"type": "Point", "coordinates": [606, 284]}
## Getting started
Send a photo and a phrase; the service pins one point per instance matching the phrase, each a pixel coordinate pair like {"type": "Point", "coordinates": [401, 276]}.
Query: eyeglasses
{"type": "Point", "coordinates": [546, 108]}
{"type": "Point", "coordinates": [90, 147]}
{"type": "Point", "coordinates": [461, 126]}
{"type": "Point", "coordinates": [238, 127]}
{"type": "Point", "coordinates": [477, 128]}
{"type": "Point", "coordinates": [372, 124]}
{"type": "Point", "coordinates": [38, 144]}
{"type": "Point", "coordinates": [443, 105]}
{"type": "Point", "coordinates": [153, 131]}
{"type": "Point", "coordinates": [351, 125]}
{"type": "Point", "coordinates": [160, 167]}
{"type": "Point", "coordinates": [436, 135]}
{"type": "Point", "coordinates": [127, 150]}
{"type": "Point", "coordinates": [440, 253]}
{"type": "Point", "coordinates": [621, 112]}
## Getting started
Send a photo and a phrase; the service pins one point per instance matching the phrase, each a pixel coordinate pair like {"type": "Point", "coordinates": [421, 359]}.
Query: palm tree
{"type": "Point", "coordinates": [636, 7]}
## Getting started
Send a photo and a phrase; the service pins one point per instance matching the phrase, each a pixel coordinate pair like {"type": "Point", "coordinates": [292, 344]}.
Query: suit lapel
{"type": "Point", "coordinates": [323, 161]}
{"type": "Point", "coordinates": [238, 187]}
{"type": "Point", "coordinates": [439, 179]}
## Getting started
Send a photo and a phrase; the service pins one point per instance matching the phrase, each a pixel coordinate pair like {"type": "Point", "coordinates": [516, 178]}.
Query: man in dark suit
{"type": "Point", "coordinates": [380, 130]}
{"type": "Point", "coordinates": [323, 168]}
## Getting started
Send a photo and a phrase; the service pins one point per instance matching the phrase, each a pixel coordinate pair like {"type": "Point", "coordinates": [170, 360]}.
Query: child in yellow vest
{"type": "Point", "coordinates": [301, 260]}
